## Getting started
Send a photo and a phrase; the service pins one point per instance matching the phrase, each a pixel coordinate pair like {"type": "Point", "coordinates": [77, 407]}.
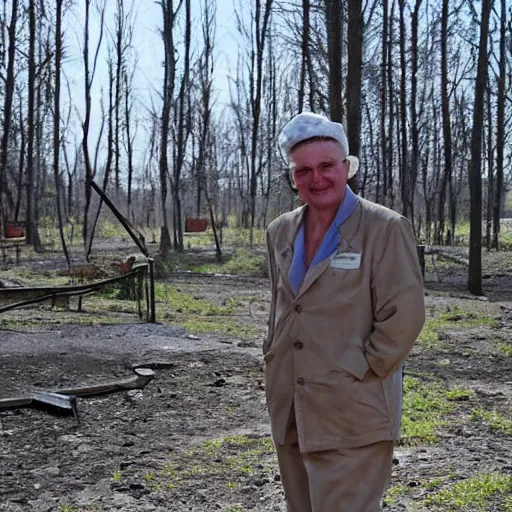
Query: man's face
{"type": "Point", "coordinates": [320, 174]}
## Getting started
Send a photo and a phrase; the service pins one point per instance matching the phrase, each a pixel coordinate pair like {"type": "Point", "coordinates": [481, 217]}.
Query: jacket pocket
{"type": "Point", "coordinates": [343, 406]}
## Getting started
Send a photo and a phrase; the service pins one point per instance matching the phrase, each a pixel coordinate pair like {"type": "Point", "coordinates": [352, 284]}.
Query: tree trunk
{"type": "Point", "coordinates": [500, 126]}
{"type": "Point", "coordinates": [56, 126]}
{"type": "Point", "coordinates": [383, 106]}
{"type": "Point", "coordinates": [305, 54]}
{"type": "Point", "coordinates": [490, 173]}
{"type": "Point", "coordinates": [475, 178]}
{"type": "Point", "coordinates": [8, 96]}
{"type": "Point", "coordinates": [404, 169]}
{"type": "Point", "coordinates": [168, 94]}
{"type": "Point", "coordinates": [88, 81]}
{"type": "Point", "coordinates": [354, 71]}
{"type": "Point", "coordinates": [261, 30]}
{"type": "Point", "coordinates": [31, 232]}
{"type": "Point", "coordinates": [447, 131]}
{"type": "Point", "coordinates": [333, 17]}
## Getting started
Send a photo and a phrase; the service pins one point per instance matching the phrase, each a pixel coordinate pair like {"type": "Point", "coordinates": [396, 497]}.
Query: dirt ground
{"type": "Point", "coordinates": [197, 437]}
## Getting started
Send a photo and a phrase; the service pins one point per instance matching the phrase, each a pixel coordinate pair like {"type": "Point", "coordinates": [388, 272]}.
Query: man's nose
{"type": "Point", "coordinates": [317, 174]}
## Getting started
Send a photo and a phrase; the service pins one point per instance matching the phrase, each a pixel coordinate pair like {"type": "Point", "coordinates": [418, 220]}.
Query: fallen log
{"type": "Point", "coordinates": [142, 377]}
{"type": "Point", "coordinates": [447, 256]}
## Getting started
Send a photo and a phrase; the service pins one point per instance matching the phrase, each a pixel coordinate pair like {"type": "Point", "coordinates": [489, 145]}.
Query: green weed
{"type": "Point", "coordinates": [220, 326]}
{"type": "Point", "coordinates": [494, 420]}
{"type": "Point", "coordinates": [475, 494]}
{"type": "Point", "coordinates": [425, 407]}
{"type": "Point", "coordinates": [505, 348]}
{"type": "Point", "coordinates": [452, 319]}
{"type": "Point", "coordinates": [241, 263]}
{"type": "Point", "coordinates": [395, 492]}
{"type": "Point", "coordinates": [187, 304]}
{"type": "Point", "coordinates": [117, 476]}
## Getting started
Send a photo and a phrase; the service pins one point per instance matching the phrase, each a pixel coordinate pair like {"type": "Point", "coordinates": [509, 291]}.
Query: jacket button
{"type": "Point", "coordinates": [298, 345]}
{"type": "Point", "coordinates": [300, 381]}
{"type": "Point", "coordinates": [298, 308]}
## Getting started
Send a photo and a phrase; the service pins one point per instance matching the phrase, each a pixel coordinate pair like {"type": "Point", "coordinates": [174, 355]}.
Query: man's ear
{"type": "Point", "coordinates": [352, 165]}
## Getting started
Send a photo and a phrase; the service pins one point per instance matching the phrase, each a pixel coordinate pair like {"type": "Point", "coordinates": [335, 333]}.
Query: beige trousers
{"type": "Point", "coordinates": [344, 480]}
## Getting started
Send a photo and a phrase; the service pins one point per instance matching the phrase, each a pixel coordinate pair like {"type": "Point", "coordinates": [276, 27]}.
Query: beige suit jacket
{"type": "Point", "coordinates": [335, 349]}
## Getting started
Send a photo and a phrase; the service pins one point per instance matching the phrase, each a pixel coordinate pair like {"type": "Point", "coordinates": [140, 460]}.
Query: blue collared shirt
{"type": "Point", "coordinates": [327, 248]}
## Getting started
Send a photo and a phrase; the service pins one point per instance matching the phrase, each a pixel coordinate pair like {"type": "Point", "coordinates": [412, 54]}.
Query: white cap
{"type": "Point", "coordinates": [308, 125]}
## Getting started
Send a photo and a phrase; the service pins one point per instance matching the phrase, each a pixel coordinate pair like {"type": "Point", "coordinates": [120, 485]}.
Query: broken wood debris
{"type": "Point", "coordinates": [64, 400]}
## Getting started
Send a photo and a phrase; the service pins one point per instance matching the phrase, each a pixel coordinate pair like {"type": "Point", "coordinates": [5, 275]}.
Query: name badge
{"type": "Point", "coordinates": [346, 261]}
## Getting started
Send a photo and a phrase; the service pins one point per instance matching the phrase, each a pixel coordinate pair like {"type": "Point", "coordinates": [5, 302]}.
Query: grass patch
{"type": "Point", "coordinates": [475, 494]}
{"type": "Point", "coordinates": [186, 304]}
{"type": "Point", "coordinates": [232, 459]}
{"type": "Point", "coordinates": [505, 348]}
{"type": "Point", "coordinates": [242, 262]}
{"type": "Point", "coordinates": [494, 420]}
{"type": "Point", "coordinates": [395, 492]}
{"type": "Point", "coordinates": [425, 407]}
{"type": "Point", "coordinates": [453, 318]}
{"type": "Point", "coordinates": [29, 277]}
{"type": "Point", "coordinates": [220, 326]}
{"type": "Point", "coordinates": [200, 316]}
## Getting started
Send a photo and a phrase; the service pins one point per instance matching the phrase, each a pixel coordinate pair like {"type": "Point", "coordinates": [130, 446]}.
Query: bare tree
{"type": "Point", "coordinates": [167, 32]}
{"type": "Point", "coordinates": [334, 24]}
{"type": "Point", "coordinates": [184, 126]}
{"type": "Point", "coordinates": [8, 108]}
{"type": "Point", "coordinates": [261, 25]}
{"type": "Point", "coordinates": [354, 69]}
{"type": "Point", "coordinates": [447, 129]}
{"type": "Point", "coordinates": [89, 74]}
{"type": "Point", "coordinates": [56, 126]}
{"type": "Point", "coordinates": [475, 178]}
{"type": "Point", "coordinates": [500, 125]}
{"type": "Point", "coordinates": [305, 53]}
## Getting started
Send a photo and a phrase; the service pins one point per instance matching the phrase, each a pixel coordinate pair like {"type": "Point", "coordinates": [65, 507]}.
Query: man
{"type": "Point", "coordinates": [347, 306]}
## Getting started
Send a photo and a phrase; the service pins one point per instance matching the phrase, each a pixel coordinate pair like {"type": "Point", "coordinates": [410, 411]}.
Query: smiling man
{"type": "Point", "coordinates": [347, 306]}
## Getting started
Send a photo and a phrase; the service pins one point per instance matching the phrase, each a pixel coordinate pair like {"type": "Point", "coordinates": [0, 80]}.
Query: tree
{"type": "Point", "coordinates": [475, 178]}
{"type": "Point", "coordinates": [88, 82]}
{"type": "Point", "coordinates": [257, 52]}
{"type": "Point", "coordinates": [167, 32]}
{"type": "Point", "coordinates": [305, 54]}
{"type": "Point", "coordinates": [8, 108]}
{"type": "Point", "coordinates": [56, 125]}
{"type": "Point", "coordinates": [183, 126]}
{"type": "Point", "coordinates": [500, 126]}
{"type": "Point", "coordinates": [447, 129]}
{"type": "Point", "coordinates": [354, 70]}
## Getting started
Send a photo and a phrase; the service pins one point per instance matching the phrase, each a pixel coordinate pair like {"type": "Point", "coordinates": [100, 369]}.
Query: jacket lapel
{"type": "Point", "coordinates": [351, 241]}
{"type": "Point", "coordinates": [284, 246]}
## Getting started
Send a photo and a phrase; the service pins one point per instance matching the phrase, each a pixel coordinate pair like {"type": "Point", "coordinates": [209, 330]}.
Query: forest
{"type": "Point", "coordinates": [139, 169]}
{"type": "Point", "coordinates": [423, 89]}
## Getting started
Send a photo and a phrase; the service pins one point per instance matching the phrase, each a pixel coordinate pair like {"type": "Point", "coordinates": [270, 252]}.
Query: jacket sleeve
{"type": "Point", "coordinates": [273, 291]}
{"type": "Point", "coordinates": [398, 299]}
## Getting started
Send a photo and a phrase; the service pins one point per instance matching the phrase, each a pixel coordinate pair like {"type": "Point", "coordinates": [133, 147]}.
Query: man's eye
{"type": "Point", "coordinates": [327, 165]}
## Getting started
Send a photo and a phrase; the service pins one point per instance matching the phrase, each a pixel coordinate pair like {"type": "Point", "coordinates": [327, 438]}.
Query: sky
{"type": "Point", "coordinates": [148, 47]}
